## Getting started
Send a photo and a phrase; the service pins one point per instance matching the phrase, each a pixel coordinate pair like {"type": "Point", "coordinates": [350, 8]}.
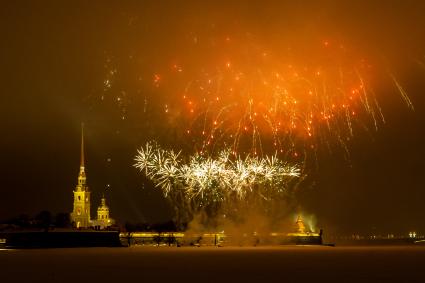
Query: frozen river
{"type": "Point", "coordinates": [214, 264]}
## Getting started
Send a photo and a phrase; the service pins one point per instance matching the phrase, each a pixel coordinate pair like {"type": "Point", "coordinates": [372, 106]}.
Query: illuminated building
{"type": "Point", "coordinates": [103, 220]}
{"type": "Point", "coordinates": [80, 216]}
{"type": "Point", "coordinates": [300, 227]}
{"type": "Point", "coordinates": [301, 230]}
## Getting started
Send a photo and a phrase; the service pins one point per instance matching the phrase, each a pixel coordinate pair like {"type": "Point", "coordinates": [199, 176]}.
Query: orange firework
{"type": "Point", "coordinates": [257, 101]}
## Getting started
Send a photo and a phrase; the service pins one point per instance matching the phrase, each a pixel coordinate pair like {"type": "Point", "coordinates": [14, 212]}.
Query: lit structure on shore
{"type": "Point", "coordinates": [103, 220]}
{"type": "Point", "coordinates": [80, 216]}
{"type": "Point", "coordinates": [301, 230]}
{"type": "Point", "coordinates": [301, 235]}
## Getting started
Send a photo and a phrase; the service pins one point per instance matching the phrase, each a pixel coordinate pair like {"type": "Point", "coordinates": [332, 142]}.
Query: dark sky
{"type": "Point", "coordinates": [55, 58]}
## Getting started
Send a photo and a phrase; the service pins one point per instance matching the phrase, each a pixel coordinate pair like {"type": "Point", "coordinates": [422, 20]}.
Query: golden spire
{"type": "Point", "coordinates": [82, 148]}
{"type": "Point", "coordinates": [82, 174]}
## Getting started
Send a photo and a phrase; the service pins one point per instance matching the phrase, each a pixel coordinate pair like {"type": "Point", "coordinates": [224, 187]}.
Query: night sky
{"type": "Point", "coordinates": [63, 63]}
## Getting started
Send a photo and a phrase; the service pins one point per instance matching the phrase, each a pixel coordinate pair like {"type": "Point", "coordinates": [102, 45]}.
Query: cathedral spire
{"type": "Point", "coordinates": [80, 215]}
{"type": "Point", "coordinates": [82, 148]}
{"type": "Point", "coordinates": [82, 173]}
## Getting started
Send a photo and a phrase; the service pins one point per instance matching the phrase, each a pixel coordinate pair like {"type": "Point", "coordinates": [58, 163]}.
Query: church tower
{"type": "Point", "coordinates": [80, 216]}
{"type": "Point", "coordinates": [103, 219]}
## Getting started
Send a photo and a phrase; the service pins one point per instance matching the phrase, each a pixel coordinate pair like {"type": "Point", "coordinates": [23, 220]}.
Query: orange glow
{"type": "Point", "coordinates": [278, 99]}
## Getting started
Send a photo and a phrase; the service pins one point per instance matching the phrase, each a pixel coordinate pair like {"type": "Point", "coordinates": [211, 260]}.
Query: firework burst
{"type": "Point", "coordinates": [254, 95]}
{"type": "Point", "coordinates": [255, 101]}
{"type": "Point", "coordinates": [213, 178]}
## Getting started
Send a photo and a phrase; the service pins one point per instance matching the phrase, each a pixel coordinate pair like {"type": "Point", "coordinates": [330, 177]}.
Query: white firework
{"type": "Point", "coordinates": [212, 178]}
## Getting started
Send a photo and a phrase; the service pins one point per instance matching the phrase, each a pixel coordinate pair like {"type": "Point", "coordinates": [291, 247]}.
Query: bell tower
{"type": "Point", "coordinates": [103, 219]}
{"type": "Point", "coordinates": [80, 216]}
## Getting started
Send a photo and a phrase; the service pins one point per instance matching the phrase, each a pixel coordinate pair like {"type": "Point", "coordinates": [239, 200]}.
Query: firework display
{"type": "Point", "coordinates": [259, 102]}
{"type": "Point", "coordinates": [254, 95]}
{"type": "Point", "coordinates": [213, 178]}
{"type": "Point", "coordinates": [248, 116]}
